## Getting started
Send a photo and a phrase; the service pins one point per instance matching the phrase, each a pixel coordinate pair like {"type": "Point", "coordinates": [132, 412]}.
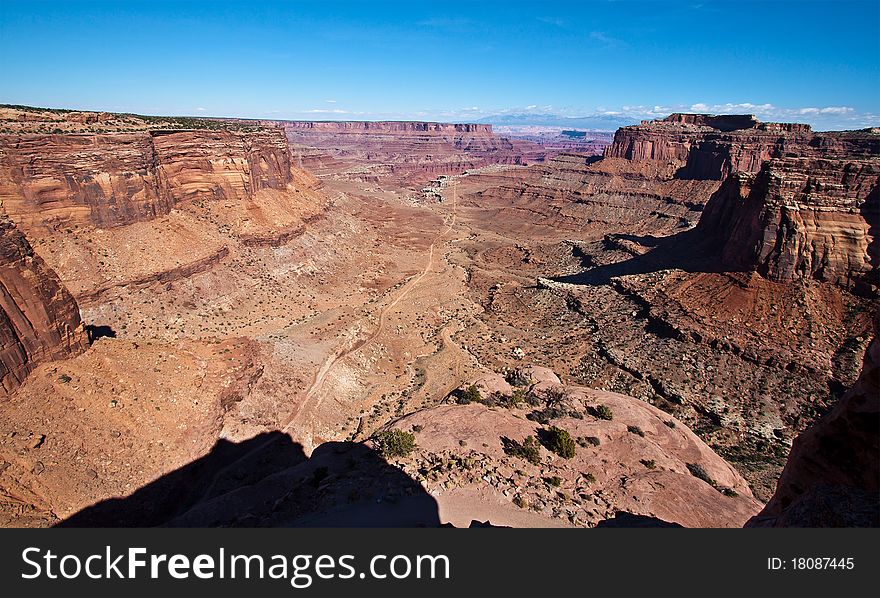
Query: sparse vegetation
{"type": "Point", "coordinates": [649, 463]}
{"type": "Point", "coordinates": [518, 377]}
{"type": "Point", "coordinates": [698, 471]}
{"type": "Point", "coordinates": [470, 395]}
{"type": "Point", "coordinates": [554, 481]}
{"type": "Point", "coordinates": [395, 443]}
{"type": "Point", "coordinates": [602, 412]}
{"type": "Point", "coordinates": [529, 449]}
{"type": "Point", "coordinates": [635, 430]}
{"type": "Point", "coordinates": [560, 442]}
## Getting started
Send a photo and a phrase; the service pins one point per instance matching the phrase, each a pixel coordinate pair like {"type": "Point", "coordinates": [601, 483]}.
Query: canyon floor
{"type": "Point", "coordinates": [287, 329]}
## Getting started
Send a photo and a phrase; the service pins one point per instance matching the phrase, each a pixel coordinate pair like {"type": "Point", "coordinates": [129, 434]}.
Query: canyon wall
{"type": "Point", "coordinates": [793, 203]}
{"type": "Point", "coordinates": [702, 146]}
{"type": "Point", "coordinates": [832, 478]}
{"type": "Point", "coordinates": [108, 180]}
{"type": "Point", "coordinates": [396, 127]}
{"type": "Point", "coordinates": [800, 218]}
{"type": "Point", "coordinates": [407, 152]}
{"type": "Point", "coordinates": [39, 320]}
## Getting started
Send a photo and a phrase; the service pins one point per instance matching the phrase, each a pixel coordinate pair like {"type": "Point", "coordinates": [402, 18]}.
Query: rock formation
{"type": "Point", "coordinates": [115, 179]}
{"type": "Point", "coordinates": [832, 478]}
{"type": "Point", "coordinates": [39, 320]}
{"type": "Point", "coordinates": [407, 152]}
{"type": "Point", "coordinates": [702, 146]}
{"type": "Point", "coordinates": [801, 218]}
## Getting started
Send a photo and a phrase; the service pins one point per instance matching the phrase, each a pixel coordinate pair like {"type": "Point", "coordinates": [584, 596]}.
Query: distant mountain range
{"type": "Point", "coordinates": [602, 122]}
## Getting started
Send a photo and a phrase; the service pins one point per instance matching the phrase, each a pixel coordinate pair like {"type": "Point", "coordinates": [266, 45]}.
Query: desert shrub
{"type": "Point", "coordinates": [669, 423]}
{"type": "Point", "coordinates": [517, 398]}
{"type": "Point", "coordinates": [520, 501]}
{"type": "Point", "coordinates": [470, 395]}
{"type": "Point", "coordinates": [649, 463]}
{"type": "Point", "coordinates": [602, 412]}
{"type": "Point", "coordinates": [560, 442]}
{"type": "Point", "coordinates": [554, 481]}
{"type": "Point", "coordinates": [529, 449]}
{"type": "Point", "coordinates": [518, 377]}
{"type": "Point", "coordinates": [590, 478]}
{"type": "Point", "coordinates": [417, 428]}
{"type": "Point", "coordinates": [635, 430]}
{"type": "Point", "coordinates": [395, 443]}
{"type": "Point", "coordinates": [532, 399]}
{"type": "Point", "coordinates": [729, 492]}
{"type": "Point", "coordinates": [698, 471]}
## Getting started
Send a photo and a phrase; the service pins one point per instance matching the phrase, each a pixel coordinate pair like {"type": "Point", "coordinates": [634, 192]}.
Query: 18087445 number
{"type": "Point", "coordinates": [819, 563]}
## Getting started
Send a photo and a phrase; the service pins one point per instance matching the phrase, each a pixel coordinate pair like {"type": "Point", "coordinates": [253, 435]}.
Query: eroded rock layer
{"type": "Point", "coordinates": [39, 320]}
{"type": "Point", "coordinates": [711, 147]}
{"type": "Point", "coordinates": [801, 218]}
{"type": "Point", "coordinates": [115, 179]}
{"type": "Point", "coordinates": [406, 152]}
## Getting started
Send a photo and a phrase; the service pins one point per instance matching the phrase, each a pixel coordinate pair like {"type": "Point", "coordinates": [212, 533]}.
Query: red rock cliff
{"type": "Point", "coordinates": [703, 146]}
{"type": "Point", "coordinates": [115, 179]}
{"type": "Point", "coordinates": [39, 320]}
{"type": "Point", "coordinates": [800, 218]}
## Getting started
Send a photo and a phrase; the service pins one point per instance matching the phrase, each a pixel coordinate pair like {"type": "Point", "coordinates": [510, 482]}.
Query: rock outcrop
{"type": "Point", "coordinates": [115, 179]}
{"type": "Point", "coordinates": [801, 218]}
{"type": "Point", "coordinates": [832, 478]}
{"type": "Point", "coordinates": [39, 320]}
{"type": "Point", "coordinates": [702, 146]}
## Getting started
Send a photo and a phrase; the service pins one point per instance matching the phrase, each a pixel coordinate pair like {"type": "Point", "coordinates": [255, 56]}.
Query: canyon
{"type": "Point", "coordinates": [214, 321]}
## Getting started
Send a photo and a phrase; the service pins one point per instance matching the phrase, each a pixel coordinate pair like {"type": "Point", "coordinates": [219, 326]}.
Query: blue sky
{"type": "Point", "coordinates": [816, 62]}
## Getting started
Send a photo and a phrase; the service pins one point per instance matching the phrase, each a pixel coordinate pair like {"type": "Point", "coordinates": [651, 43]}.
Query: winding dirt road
{"type": "Point", "coordinates": [344, 351]}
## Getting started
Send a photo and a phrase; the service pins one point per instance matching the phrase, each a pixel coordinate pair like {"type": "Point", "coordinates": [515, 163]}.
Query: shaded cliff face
{"type": "Point", "coordinates": [800, 218]}
{"type": "Point", "coordinates": [832, 478]}
{"type": "Point", "coordinates": [39, 320]}
{"type": "Point", "coordinates": [115, 179]}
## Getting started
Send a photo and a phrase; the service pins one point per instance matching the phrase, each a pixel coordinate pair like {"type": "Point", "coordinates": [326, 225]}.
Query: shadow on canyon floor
{"type": "Point", "coordinates": [686, 251]}
{"type": "Point", "coordinates": [268, 481]}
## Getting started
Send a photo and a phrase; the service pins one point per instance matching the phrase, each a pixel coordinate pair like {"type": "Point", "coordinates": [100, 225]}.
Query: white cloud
{"type": "Point", "coordinates": [330, 101]}
{"type": "Point", "coordinates": [326, 111]}
{"type": "Point", "coordinates": [200, 109]}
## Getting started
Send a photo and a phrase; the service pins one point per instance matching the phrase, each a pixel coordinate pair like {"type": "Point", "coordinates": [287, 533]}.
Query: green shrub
{"type": "Point", "coordinates": [560, 442]}
{"type": "Point", "coordinates": [529, 449]}
{"type": "Point", "coordinates": [635, 430]}
{"type": "Point", "coordinates": [698, 471]}
{"type": "Point", "coordinates": [395, 443]}
{"type": "Point", "coordinates": [554, 481]}
{"type": "Point", "coordinates": [602, 412]}
{"type": "Point", "coordinates": [470, 395]}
